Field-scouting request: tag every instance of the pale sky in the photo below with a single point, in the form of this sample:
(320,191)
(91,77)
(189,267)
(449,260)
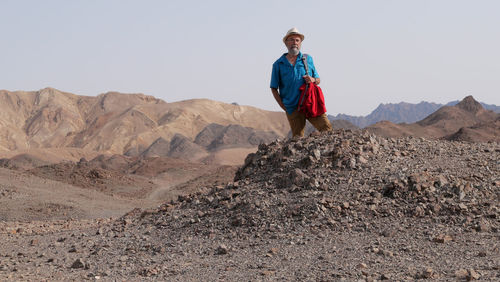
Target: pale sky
(366,52)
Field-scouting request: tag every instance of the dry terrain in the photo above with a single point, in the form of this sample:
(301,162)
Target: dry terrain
(127,187)
(103,187)
(342,205)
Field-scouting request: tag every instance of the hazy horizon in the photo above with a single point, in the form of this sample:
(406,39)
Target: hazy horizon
(366,52)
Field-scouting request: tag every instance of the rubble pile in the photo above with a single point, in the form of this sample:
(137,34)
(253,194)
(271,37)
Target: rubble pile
(346,178)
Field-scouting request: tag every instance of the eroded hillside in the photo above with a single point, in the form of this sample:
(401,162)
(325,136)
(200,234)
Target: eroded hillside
(131,124)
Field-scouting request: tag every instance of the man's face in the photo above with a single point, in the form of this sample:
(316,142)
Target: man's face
(293,44)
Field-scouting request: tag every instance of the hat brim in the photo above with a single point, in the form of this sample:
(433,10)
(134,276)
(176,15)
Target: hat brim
(293,33)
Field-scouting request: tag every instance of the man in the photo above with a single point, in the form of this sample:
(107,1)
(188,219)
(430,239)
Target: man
(287,76)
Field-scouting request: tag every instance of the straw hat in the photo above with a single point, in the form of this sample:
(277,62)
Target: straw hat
(293,31)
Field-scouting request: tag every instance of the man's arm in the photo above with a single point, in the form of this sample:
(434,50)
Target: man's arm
(277,97)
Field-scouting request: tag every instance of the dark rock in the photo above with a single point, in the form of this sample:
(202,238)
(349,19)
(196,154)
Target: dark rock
(221,250)
(79,263)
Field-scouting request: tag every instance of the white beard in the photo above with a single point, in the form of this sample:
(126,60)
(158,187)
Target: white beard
(294,51)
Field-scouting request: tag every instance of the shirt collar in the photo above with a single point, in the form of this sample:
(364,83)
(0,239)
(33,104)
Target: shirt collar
(285,60)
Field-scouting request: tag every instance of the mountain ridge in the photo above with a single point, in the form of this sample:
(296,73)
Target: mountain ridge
(450,123)
(402,112)
(117,123)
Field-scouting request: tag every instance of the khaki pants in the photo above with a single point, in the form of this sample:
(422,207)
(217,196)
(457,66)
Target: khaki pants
(297,122)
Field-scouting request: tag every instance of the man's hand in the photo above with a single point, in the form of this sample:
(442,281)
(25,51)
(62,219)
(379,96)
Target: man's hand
(310,79)
(276,95)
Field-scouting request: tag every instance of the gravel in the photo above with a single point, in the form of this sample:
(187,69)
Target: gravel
(342,205)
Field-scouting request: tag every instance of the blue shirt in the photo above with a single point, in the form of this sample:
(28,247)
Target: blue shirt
(288,79)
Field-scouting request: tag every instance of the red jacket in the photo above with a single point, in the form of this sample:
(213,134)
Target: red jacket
(312,101)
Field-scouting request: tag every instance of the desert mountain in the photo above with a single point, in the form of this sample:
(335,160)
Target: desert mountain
(449,122)
(48,126)
(130,124)
(489,107)
(401,113)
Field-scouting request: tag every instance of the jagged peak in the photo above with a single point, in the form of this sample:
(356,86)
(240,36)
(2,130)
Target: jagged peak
(48,89)
(52,91)
(469,104)
(49,95)
(141,96)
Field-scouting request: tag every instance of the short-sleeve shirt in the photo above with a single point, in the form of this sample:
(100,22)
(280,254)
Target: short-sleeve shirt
(288,79)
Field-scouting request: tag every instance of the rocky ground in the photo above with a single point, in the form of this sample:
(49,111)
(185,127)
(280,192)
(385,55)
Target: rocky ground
(343,205)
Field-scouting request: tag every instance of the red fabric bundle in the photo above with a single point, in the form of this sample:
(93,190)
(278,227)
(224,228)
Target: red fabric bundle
(312,101)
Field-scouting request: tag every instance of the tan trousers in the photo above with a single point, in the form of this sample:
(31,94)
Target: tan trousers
(297,122)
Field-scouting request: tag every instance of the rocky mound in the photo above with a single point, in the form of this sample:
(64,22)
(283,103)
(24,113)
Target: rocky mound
(343,205)
(317,181)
